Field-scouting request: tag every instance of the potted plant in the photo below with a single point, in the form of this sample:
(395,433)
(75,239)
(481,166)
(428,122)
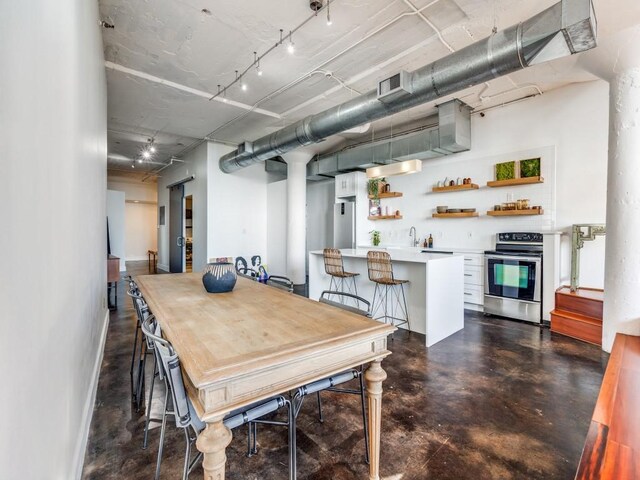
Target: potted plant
(375,237)
(375,186)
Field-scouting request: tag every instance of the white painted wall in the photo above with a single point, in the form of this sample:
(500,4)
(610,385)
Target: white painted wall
(237,216)
(134,189)
(53,239)
(116,217)
(320,200)
(141,219)
(195,163)
(277,228)
(141,230)
(568,127)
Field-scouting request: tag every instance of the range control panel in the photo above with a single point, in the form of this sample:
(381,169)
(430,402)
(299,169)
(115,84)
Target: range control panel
(527,237)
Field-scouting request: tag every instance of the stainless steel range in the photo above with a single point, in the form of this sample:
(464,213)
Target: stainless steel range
(513,277)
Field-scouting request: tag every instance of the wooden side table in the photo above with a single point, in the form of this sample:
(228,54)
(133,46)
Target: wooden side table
(113,276)
(154,254)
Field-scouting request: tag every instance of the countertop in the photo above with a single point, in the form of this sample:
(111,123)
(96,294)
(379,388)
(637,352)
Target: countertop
(398,254)
(437,248)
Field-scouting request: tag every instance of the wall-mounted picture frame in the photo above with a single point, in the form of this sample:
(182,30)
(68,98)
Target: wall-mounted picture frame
(506,170)
(161,215)
(530,167)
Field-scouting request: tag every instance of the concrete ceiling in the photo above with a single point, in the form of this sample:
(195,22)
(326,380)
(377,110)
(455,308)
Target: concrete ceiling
(166,58)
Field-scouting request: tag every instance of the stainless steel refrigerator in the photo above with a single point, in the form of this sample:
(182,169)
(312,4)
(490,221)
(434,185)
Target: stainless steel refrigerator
(344,226)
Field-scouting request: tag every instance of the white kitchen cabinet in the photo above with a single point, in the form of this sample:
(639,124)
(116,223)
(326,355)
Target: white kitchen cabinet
(473,281)
(347,184)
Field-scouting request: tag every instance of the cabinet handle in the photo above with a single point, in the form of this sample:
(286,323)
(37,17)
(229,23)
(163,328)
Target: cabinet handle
(468,293)
(468,259)
(468,275)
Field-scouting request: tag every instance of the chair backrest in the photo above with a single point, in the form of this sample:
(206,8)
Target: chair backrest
(345,296)
(173,373)
(333,261)
(249,273)
(379,265)
(278,281)
(139,304)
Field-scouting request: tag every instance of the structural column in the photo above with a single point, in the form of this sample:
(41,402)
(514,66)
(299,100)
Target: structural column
(622,255)
(297,215)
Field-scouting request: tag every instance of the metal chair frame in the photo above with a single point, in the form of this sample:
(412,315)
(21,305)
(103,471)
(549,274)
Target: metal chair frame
(281,282)
(185,415)
(331,383)
(137,385)
(385,294)
(249,273)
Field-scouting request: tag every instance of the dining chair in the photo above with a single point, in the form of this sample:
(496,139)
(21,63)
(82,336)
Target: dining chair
(388,294)
(332,383)
(187,418)
(137,381)
(334,267)
(281,282)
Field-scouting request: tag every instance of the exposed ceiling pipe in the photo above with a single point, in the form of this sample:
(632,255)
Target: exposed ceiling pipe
(565,28)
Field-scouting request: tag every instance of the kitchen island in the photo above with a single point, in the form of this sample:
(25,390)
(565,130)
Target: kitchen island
(435,292)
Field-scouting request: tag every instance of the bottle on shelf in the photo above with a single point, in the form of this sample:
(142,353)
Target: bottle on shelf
(430,241)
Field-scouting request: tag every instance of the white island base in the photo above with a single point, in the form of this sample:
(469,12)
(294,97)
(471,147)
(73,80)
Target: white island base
(435,292)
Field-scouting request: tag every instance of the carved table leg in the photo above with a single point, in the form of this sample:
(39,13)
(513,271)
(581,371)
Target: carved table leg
(212,442)
(374,376)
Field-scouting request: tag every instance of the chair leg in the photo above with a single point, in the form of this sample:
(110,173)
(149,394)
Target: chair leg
(406,310)
(364,418)
(148,416)
(292,443)
(162,430)
(187,454)
(320,416)
(255,438)
(133,360)
(141,374)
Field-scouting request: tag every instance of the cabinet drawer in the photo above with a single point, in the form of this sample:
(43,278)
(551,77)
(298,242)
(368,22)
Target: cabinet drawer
(475,259)
(473,294)
(473,275)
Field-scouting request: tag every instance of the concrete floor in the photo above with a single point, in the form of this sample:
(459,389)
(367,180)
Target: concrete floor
(498,400)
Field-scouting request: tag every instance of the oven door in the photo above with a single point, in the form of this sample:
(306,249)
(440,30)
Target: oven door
(513,277)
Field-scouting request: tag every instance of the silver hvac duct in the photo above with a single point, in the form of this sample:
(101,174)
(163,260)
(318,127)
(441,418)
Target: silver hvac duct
(565,28)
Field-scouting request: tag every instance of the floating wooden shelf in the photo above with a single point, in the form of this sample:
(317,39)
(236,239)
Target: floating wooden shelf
(387,195)
(455,215)
(514,213)
(468,186)
(385,217)
(515,181)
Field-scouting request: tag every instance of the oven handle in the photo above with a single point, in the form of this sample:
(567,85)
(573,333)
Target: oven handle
(507,257)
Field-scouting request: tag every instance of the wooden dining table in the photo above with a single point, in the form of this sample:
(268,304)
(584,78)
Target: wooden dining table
(257,341)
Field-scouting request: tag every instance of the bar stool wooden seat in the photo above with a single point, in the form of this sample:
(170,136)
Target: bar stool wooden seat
(334,267)
(389,291)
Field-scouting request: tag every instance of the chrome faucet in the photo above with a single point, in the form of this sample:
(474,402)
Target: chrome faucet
(412,234)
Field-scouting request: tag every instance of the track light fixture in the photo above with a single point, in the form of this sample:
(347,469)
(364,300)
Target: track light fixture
(291,48)
(256,60)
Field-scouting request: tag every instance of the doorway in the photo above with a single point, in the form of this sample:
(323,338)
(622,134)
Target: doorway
(176,229)
(188,233)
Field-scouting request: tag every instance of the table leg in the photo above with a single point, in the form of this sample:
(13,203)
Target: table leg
(374,376)
(212,442)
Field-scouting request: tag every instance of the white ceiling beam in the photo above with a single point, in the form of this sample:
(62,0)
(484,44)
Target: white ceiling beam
(192,91)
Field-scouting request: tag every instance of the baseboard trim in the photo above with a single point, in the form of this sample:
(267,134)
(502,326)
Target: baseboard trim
(137,259)
(87,413)
(163,267)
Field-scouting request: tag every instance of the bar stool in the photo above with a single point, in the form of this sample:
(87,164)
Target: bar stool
(334,267)
(388,290)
